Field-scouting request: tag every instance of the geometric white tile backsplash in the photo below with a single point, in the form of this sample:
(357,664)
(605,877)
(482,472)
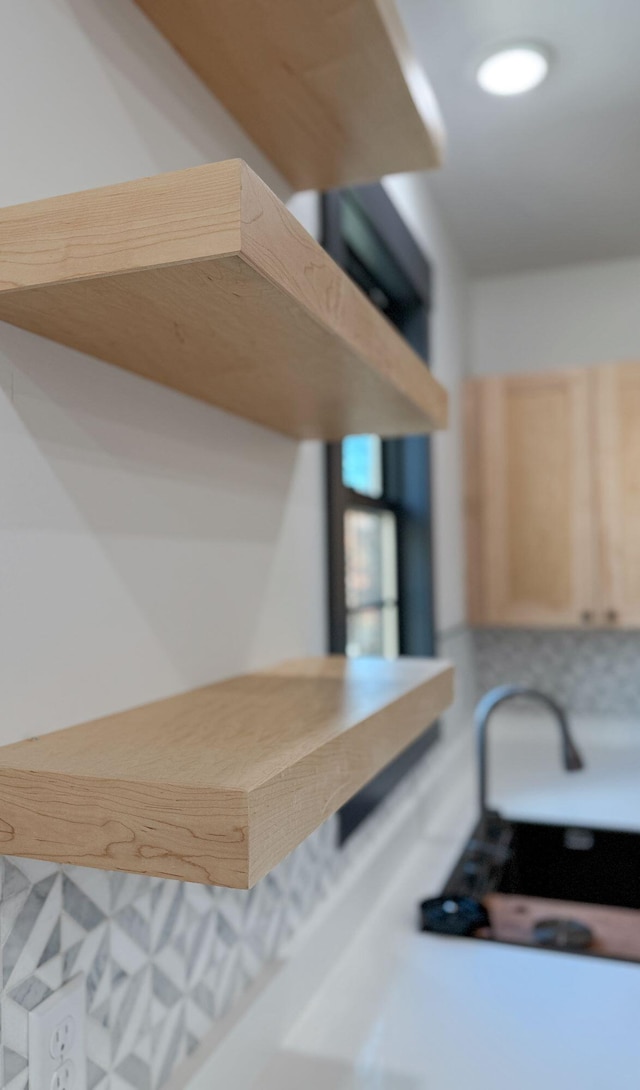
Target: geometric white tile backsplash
(163,960)
(588,672)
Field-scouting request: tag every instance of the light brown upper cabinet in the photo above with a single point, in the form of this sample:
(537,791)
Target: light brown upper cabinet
(617,405)
(553,498)
(529,500)
(329,90)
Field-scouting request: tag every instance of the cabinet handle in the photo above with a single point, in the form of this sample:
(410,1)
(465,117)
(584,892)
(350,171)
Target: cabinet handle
(612,615)
(586,616)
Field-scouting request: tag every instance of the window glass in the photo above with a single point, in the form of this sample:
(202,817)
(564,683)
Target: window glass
(373,632)
(370,553)
(362,464)
(371,578)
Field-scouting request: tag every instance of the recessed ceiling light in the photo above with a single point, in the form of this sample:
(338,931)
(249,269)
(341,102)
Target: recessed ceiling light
(513,70)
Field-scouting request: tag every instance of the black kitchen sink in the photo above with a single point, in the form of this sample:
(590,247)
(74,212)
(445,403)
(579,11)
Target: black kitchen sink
(571,863)
(558,886)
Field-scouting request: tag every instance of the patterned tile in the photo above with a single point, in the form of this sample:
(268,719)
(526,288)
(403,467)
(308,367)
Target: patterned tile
(588,672)
(26,927)
(79,905)
(13,881)
(169,1047)
(13,1064)
(96,1076)
(135,1071)
(131,1012)
(162,959)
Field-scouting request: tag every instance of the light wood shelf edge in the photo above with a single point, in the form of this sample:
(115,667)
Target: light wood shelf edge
(332,93)
(220,784)
(147,274)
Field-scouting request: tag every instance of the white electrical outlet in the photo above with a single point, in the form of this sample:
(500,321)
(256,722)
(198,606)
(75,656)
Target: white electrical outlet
(57,1058)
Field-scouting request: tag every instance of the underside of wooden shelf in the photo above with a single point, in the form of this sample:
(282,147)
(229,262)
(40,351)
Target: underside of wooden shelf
(202,280)
(329,90)
(219,784)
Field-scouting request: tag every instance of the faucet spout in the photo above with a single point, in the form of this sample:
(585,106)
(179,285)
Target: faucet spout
(485,707)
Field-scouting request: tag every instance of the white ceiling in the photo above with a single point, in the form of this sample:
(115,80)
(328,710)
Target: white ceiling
(547,178)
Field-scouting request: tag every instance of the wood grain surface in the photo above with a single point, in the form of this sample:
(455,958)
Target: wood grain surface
(219,784)
(529,500)
(203,281)
(616,931)
(617,454)
(329,90)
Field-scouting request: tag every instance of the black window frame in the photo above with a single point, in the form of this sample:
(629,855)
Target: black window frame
(406,468)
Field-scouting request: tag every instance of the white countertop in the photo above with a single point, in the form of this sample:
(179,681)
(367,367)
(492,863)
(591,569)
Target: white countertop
(408,1011)
(526,777)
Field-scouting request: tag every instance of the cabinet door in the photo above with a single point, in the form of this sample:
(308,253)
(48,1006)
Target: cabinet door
(530,500)
(617,401)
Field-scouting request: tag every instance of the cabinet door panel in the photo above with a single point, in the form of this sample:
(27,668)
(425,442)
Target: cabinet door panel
(530,500)
(617,400)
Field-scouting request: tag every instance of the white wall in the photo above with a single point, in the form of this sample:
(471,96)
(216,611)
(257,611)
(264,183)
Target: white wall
(148,542)
(581,314)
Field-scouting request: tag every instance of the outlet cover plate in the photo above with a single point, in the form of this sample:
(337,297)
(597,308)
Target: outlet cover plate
(57,1051)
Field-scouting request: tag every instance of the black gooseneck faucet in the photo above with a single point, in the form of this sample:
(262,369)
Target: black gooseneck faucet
(485,707)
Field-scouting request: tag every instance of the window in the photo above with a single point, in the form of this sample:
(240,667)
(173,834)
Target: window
(371,582)
(379,493)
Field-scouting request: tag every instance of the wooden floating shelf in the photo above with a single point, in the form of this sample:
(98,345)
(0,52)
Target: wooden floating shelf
(203,281)
(219,784)
(330,90)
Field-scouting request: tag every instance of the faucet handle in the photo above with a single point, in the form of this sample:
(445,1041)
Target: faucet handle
(586,616)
